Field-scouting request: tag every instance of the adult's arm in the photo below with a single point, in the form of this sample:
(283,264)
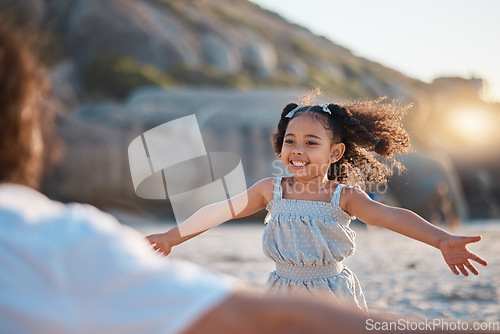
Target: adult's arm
(246,314)
(243,313)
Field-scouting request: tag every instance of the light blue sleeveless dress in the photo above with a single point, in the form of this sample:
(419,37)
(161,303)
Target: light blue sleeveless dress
(308,240)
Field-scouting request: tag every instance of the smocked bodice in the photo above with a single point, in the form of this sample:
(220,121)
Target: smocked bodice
(307,233)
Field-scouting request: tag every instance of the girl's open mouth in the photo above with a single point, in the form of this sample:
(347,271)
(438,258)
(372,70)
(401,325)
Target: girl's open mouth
(296,163)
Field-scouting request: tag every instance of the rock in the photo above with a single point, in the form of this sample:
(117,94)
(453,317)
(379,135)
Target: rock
(129,28)
(373,86)
(225,58)
(334,72)
(297,68)
(430,187)
(260,58)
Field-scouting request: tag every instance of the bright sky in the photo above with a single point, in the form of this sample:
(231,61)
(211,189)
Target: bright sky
(423,39)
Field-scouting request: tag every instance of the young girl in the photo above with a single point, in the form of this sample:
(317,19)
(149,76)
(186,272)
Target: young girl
(307,232)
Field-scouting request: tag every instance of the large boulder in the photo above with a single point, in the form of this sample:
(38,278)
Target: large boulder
(136,29)
(429,186)
(220,54)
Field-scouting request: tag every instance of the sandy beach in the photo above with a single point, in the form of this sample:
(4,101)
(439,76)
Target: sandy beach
(398,275)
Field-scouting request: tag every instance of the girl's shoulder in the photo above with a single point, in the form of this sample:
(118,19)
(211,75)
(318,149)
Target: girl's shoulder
(351,195)
(265,188)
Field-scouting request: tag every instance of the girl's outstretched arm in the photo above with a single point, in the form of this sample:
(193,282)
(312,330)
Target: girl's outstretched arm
(454,248)
(246,203)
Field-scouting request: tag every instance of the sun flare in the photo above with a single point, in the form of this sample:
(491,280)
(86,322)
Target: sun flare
(472,126)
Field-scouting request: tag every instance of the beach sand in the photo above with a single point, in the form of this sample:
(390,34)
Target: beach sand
(398,275)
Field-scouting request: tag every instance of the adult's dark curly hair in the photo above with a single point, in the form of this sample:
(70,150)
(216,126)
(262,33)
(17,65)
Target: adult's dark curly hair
(22,87)
(372,132)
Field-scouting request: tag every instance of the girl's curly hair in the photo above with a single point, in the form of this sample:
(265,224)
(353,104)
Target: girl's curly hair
(371,131)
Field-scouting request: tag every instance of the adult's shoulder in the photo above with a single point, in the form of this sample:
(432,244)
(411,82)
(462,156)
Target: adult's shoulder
(88,217)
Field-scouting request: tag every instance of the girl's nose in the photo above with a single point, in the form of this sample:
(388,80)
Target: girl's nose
(297,151)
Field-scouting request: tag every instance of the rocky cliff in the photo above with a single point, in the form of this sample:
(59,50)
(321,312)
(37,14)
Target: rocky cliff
(107,48)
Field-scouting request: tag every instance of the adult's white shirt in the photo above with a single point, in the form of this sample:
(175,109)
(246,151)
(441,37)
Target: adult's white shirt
(74,269)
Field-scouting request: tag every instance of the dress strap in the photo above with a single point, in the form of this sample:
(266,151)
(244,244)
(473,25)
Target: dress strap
(278,192)
(336,194)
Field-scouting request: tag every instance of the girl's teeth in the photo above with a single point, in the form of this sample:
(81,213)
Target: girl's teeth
(298,163)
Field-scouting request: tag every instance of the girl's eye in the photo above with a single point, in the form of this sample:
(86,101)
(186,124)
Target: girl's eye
(288,141)
(311,143)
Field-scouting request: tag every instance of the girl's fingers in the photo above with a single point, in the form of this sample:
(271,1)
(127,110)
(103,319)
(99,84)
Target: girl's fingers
(473,239)
(454,269)
(479,260)
(157,248)
(150,239)
(159,251)
(463,270)
(471,267)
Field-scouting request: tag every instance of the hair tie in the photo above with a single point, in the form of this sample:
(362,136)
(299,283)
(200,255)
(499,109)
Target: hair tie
(325,108)
(291,113)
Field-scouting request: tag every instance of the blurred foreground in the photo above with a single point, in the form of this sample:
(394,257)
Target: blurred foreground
(398,275)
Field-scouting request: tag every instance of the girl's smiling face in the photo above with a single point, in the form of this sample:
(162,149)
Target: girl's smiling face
(308,148)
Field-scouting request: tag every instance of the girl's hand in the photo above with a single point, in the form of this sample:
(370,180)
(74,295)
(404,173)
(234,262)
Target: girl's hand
(456,254)
(160,243)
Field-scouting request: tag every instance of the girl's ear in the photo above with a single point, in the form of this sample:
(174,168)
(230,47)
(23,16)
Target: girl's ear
(337,152)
